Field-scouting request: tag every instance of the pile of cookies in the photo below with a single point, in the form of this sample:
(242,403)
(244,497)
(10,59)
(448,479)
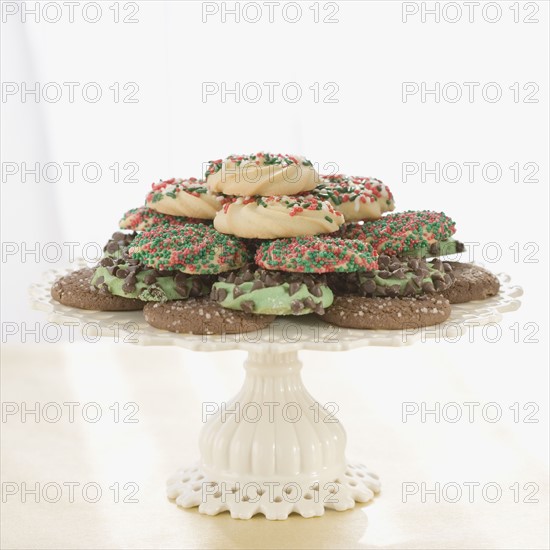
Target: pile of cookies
(265,235)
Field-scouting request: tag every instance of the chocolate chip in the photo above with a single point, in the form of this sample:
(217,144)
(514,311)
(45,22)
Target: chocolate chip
(185,292)
(271,280)
(384,274)
(231,277)
(121,273)
(180,279)
(296,306)
(413,264)
(369,287)
(395,266)
(448,279)
(111,247)
(247,276)
(437,276)
(214,294)
(319,309)
(434,248)
(239,280)
(316,290)
(99,280)
(447,267)
(459,246)
(399,274)
(370,274)
(257,285)
(222,294)
(309,302)
(409,289)
(247,306)
(106,262)
(150,279)
(293,288)
(439,285)
(437,264)
(119,236)
(428,287)
(128,287)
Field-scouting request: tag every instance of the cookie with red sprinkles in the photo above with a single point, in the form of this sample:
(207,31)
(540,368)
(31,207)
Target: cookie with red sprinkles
(196,249)
(357,198)
(403,233)
(143,218)
(316,255)
(184,197)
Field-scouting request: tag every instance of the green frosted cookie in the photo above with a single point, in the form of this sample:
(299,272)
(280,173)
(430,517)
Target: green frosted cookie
(266,292)
(394,278)
(121,275)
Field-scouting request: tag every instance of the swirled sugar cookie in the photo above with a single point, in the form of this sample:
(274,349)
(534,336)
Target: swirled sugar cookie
(277,216)
(143,218)
(412,233)
(262,174)
(356,198)
(183,197)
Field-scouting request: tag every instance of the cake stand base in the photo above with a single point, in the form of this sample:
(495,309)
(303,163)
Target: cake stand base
(272,450)
(191,487)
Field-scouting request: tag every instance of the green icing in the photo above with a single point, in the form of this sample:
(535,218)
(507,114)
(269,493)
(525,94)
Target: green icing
(162,290)
(274,300)
(447,247)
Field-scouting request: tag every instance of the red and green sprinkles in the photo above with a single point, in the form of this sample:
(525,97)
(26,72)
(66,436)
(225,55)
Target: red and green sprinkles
(296,204)
(401,232)
(316,255)
(195,249)
(265,159)
(341,189)
(143,218)
(171,188)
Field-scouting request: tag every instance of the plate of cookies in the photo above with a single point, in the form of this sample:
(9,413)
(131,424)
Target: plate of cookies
(263,249)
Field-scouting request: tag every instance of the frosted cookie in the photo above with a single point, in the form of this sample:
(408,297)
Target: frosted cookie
(76,290)
(416,233)
(121,275)
(471,283)
(143,218)
(356,198)
(277,216)
(195,249)
(387,313)
(394,277)
(316,255)
(262,174)
(256,290)
(183,197)
(202,316)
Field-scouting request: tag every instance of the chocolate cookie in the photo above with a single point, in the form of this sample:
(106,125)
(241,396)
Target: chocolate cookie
(202,316)
(471,283)
(387,313)
(76,290)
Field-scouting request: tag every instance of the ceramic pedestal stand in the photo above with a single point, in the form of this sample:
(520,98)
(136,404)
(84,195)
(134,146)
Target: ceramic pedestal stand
(273,449)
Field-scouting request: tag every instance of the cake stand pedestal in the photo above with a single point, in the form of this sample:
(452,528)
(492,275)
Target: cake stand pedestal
(273,449)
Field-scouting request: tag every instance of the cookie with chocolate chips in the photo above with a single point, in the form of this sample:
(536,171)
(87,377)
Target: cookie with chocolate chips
(76,290)
(120,274)
(394,277)
(202,316)
(471,283)
(388,313)
(266,292)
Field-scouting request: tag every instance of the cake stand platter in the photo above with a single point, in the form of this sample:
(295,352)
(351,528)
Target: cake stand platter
(272,450)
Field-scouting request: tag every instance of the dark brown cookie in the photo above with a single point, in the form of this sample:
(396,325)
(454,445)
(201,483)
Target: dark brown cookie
(202,316)
(471,283)
(76,290)
(387,313)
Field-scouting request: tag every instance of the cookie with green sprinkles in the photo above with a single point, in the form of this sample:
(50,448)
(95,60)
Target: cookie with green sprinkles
(265,292)
(394,277)
(143,218)
(357,198)
(412,233)
(316,255)
(195,249)
(120,275)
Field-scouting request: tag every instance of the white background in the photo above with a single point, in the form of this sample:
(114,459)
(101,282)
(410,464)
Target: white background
(368,53)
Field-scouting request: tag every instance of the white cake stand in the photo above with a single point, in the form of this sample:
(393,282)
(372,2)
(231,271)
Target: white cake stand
(273,450)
